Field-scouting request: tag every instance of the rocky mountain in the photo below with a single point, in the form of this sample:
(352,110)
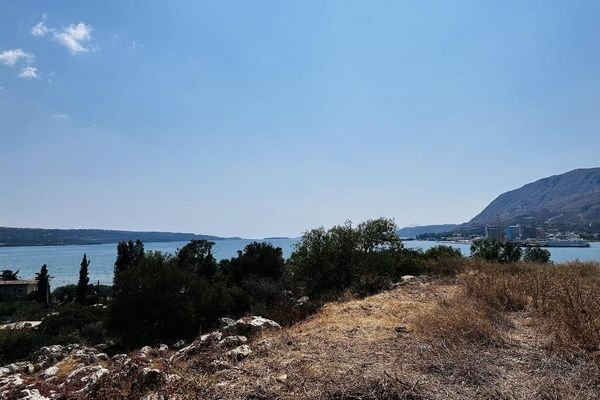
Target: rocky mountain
(569,200)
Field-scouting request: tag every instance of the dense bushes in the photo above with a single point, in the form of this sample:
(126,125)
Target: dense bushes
(365,259)
(163,297)
(495,251)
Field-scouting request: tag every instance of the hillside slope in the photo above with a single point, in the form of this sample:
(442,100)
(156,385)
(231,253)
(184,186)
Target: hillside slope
(356,349)
(568,200)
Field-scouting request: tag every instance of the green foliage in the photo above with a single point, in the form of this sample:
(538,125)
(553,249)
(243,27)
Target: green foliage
(260,260)
(129,255)
(84,280)
(196,257)
(9,275)
(502,252)
(43,285)
(68,323)
(19,310)
(155,300)
(442,252)
(366,258)
(19,344)
(536,255)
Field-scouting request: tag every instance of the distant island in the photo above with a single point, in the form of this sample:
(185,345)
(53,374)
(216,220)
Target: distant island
(55,237)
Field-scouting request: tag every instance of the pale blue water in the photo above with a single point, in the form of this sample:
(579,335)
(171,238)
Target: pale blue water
(63,261)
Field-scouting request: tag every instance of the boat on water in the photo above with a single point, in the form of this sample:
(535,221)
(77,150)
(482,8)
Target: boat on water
(566,243)
(557,242)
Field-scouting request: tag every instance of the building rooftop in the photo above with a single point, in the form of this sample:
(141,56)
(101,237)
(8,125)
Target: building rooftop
(19,282)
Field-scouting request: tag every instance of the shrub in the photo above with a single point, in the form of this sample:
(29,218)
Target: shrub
(536,255)
(19,344)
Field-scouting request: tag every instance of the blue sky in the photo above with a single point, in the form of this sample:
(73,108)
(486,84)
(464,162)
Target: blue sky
(269,118)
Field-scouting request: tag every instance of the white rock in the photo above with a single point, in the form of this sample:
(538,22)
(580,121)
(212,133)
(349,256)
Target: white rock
(31,394)
(163,348)
(50,372)
(145,351)
(239,353)
(251,325)
(233,341)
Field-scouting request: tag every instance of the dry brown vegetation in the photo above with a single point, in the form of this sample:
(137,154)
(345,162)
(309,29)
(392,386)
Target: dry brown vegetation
(495,332)
(518,331)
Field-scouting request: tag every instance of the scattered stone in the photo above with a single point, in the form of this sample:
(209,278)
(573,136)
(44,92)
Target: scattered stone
(197,345)
(179,344)
(281,378)
(31,394)
(145,351)
(233,341)
(225,322)
(50,372)
(163,348)
(10,382)
(102,357)
(220,364)
(48,355)
(249,326)
(149,377)
(86,355)
(4,371)
(239,353)
(302,301)
(120,359)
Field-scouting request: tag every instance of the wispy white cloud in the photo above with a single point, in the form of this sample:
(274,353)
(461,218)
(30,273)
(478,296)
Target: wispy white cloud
(28,73)
(40,29)
(12,57)
(1,87)
(60,116)
(75,37)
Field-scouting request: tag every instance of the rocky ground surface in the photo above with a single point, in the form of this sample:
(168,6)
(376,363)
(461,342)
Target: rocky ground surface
(351,349)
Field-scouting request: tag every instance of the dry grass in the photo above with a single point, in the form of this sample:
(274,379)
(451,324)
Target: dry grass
(463,320)
(422,341)
(498,332)
(564,298)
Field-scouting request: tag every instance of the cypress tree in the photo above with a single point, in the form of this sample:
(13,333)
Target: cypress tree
(43,285)
(84,280)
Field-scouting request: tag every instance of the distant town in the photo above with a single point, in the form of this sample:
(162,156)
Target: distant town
(526,236)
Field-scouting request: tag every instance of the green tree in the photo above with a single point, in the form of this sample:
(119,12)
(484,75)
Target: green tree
(43,285)
(155,301)
(84,280)
(197,257)
(129,255)
(536,255)
(442,253)
(495,251)
(257,260)
(365,258)
(9,275)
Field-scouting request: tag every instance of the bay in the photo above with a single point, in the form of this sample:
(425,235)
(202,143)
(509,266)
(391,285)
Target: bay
(63,261)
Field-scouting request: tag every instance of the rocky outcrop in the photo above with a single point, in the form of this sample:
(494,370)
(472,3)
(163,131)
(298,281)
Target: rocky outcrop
(77,371)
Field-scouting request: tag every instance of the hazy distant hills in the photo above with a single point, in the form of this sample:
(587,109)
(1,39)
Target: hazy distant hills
(413,231)
(41,237)
(567,201)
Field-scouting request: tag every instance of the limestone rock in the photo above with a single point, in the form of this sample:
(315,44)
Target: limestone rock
(249,326)
(232,341)
(239,353)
